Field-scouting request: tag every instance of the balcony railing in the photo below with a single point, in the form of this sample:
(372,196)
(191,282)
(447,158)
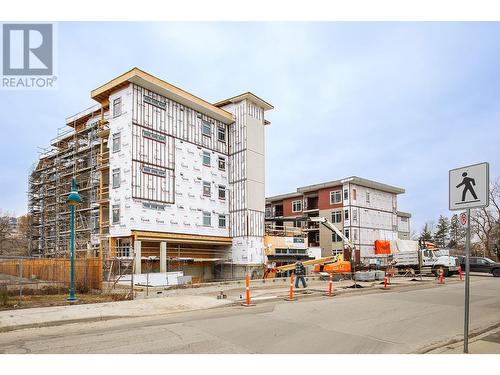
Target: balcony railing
(103,128)
(281,231)
(103,160)
(311,226)
(103,194)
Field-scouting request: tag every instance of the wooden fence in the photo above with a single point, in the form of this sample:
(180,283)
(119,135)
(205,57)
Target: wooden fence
(88,271)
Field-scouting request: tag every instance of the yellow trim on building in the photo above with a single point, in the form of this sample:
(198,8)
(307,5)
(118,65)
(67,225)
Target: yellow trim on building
(181,238)
(249,96)
(161,87)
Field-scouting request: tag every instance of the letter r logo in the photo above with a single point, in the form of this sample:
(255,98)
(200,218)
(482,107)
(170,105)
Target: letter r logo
(27,49)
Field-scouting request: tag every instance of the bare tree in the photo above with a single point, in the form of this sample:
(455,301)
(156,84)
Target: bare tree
(414,235)
(22,235)
(486,222)
(13,234)
(6,231)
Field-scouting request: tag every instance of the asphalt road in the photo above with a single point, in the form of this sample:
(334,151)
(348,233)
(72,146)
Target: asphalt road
(403,321)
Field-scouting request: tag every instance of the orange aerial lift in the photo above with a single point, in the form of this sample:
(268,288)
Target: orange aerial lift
(333,264)
(270,272)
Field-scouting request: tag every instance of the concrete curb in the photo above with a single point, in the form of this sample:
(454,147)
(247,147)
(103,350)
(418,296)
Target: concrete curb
(54,323)
(443,344)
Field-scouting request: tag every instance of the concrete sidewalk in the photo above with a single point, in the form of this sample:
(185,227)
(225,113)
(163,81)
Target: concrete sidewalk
(485,343)
(189,299)
(50,316)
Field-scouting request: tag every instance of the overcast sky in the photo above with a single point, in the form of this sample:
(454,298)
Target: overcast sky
(400,103)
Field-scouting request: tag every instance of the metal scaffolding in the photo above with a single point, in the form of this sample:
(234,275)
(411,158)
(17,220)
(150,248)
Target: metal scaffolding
(74,152)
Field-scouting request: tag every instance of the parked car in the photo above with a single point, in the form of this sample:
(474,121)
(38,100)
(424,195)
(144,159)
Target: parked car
(481,264)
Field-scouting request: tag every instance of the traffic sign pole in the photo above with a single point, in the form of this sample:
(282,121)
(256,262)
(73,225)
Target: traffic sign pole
(467,281)
(468,188)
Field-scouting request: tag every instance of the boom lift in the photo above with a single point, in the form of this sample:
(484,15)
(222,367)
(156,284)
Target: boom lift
(339,266)
(332,264)
(333,228)
(289,267)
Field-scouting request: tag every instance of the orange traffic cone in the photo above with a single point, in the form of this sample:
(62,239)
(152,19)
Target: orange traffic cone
(330,286)
(247,289)
(290,297)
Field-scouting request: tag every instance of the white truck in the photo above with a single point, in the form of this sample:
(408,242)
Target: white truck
(426,260)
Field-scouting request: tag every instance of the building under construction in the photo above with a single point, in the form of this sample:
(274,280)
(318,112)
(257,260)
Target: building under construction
(163,175)
(80,151)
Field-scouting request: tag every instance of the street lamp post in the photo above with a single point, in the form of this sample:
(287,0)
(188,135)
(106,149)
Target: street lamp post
(73,200)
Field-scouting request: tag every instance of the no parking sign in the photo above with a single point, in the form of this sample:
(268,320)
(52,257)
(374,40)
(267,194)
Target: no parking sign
(463,219)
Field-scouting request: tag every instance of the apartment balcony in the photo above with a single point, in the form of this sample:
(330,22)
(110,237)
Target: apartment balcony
(103,195)
(311,205)
(282,231)
(103,160)
(311,227)
(103,128)
(277,212)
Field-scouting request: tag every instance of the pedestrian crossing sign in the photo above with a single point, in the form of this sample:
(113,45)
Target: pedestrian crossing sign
(469,187)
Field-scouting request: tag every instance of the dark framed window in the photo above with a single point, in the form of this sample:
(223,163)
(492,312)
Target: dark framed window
(336,216)
(207,219)
(206,158)
(222,221)
(221,134)
(335,196)
(117,107)
(116,178)
(222,163)
(116,213)
(296,206)
(206,128)
(117,142)
(222,192)
(336,238)
(207,189)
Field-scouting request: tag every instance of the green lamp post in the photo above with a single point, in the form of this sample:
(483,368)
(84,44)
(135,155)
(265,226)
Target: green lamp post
(73,200)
